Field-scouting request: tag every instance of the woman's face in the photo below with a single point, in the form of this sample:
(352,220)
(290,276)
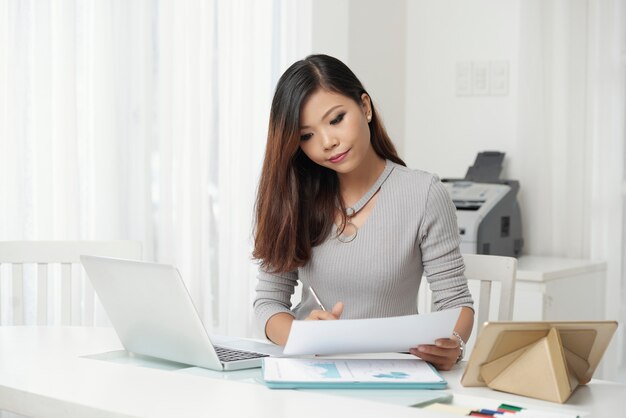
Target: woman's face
(334,131)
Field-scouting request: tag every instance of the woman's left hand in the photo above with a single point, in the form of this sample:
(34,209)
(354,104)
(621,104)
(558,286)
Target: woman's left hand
(443,354)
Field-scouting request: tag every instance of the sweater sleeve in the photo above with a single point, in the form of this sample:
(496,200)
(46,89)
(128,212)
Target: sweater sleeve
(441,255)
(273,295)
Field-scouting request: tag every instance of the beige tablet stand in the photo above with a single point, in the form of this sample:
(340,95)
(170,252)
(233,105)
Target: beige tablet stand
(544,361)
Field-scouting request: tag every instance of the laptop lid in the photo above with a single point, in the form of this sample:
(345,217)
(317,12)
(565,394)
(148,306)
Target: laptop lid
(152,311)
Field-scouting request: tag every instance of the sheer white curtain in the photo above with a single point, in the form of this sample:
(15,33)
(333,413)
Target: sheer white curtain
(145,120)
(607,133)
(573,94)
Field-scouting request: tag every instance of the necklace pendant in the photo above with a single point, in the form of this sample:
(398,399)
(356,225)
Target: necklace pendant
(350,231)
(345,238)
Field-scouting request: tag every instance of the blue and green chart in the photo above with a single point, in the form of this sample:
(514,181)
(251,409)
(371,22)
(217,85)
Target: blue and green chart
(350,373)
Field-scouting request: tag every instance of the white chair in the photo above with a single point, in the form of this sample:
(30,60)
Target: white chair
(77,305)
(487,269)
(481,271)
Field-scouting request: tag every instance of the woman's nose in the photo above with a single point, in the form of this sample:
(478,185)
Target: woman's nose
(329,141)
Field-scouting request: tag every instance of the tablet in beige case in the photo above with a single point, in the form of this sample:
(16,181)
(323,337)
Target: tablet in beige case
(544,360)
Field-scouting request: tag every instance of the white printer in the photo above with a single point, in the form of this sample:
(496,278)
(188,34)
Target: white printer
(487,210)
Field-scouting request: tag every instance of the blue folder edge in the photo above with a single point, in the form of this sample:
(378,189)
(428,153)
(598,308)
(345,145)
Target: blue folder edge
(272,384)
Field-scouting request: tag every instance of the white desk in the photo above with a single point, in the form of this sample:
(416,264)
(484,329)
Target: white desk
(42,374)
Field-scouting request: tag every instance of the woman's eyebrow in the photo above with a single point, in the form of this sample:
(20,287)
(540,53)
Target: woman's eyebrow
(325,114)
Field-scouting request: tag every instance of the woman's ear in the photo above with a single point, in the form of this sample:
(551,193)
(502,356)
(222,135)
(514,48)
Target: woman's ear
(366,104)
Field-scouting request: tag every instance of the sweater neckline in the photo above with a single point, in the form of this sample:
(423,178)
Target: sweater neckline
(360,204)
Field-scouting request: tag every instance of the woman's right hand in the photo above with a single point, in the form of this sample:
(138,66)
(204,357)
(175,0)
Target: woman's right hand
(319,315)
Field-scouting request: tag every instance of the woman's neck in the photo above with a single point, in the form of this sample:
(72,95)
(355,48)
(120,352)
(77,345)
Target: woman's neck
(355,184)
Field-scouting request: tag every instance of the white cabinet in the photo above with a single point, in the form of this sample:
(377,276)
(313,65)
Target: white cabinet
(559,289)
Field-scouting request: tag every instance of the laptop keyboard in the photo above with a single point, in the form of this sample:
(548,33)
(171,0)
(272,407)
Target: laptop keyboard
(229,354)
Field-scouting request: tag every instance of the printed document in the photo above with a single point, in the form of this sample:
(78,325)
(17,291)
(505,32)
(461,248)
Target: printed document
(377,335)
(349,370)
(320,373)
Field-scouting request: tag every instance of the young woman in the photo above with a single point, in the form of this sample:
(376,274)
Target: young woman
(338,211)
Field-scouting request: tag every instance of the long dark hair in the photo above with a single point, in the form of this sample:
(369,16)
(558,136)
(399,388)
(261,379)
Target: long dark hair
(297,199)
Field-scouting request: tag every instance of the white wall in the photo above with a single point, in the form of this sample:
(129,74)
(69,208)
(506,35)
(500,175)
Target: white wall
(331,21)
(377,39)
(446,131)
(370,37)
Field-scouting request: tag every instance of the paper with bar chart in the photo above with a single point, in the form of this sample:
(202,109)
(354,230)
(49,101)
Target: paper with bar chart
(320,372)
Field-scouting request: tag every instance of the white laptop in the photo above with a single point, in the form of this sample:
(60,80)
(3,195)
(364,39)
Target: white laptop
(153,315)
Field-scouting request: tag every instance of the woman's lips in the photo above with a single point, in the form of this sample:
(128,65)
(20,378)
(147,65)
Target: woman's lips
(338,158)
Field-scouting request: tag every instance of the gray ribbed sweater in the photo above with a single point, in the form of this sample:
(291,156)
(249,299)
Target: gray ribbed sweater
(411,230)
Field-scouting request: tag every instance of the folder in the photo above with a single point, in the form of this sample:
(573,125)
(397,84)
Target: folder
(543,360)
(321,373)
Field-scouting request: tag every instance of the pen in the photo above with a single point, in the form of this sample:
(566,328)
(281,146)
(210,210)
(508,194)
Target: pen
(319,302)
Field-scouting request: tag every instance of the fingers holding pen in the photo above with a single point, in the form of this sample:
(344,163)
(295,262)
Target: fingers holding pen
(337,310)
(334,313)
(318,315)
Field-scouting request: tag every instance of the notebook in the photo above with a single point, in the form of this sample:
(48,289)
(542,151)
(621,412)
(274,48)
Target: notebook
(153,315)
(321,373)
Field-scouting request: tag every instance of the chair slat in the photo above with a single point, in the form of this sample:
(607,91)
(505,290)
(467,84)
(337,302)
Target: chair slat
(507,293)
(89,298)
(17,294)
(65,251)
(1,304)
(77,292)
(66,294)
(42,294)
(484,300)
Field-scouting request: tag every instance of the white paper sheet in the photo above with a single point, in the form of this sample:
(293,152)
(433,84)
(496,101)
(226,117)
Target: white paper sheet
(377,335)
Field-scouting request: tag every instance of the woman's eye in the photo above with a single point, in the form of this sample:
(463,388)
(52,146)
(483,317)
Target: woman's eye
(338,119)
(305,137)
